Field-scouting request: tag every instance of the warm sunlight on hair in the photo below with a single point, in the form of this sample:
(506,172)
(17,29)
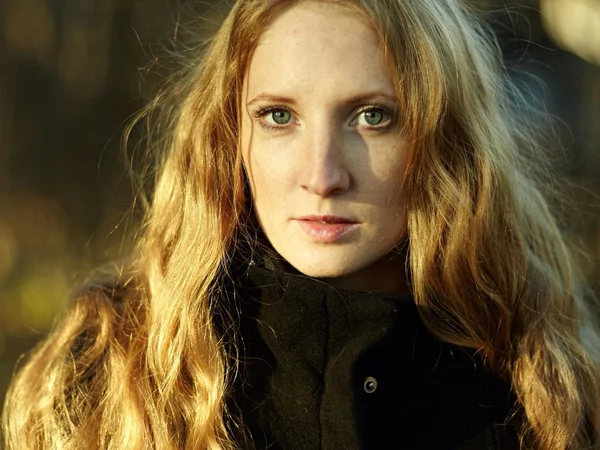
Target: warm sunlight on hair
(351,243)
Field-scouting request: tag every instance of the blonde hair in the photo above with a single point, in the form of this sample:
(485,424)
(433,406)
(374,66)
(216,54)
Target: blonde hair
(140,364)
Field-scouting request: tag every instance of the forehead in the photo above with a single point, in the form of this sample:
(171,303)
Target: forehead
(317,46)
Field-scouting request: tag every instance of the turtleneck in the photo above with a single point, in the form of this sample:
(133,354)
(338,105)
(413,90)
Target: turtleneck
(327,368)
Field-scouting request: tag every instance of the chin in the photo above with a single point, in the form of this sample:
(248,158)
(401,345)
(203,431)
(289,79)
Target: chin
(320,273)
(331,266)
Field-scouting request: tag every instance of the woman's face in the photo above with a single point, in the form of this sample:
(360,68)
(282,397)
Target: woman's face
(322,147)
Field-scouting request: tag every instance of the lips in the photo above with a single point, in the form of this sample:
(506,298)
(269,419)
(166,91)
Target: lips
(326,229)
(326,219)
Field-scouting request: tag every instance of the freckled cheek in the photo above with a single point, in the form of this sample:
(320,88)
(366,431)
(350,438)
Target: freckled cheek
(269,173)
(388,173)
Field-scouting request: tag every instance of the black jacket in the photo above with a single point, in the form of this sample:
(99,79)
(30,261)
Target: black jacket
(325,368)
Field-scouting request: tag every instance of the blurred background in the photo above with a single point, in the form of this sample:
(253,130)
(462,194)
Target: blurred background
(73,71)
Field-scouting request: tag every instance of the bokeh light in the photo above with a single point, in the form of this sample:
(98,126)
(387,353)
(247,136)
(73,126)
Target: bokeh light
(574,25)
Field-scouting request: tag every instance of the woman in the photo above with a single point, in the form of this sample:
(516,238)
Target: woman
(347,247)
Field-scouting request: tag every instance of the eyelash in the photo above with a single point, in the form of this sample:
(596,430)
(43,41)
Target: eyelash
(377,107)
(262,112)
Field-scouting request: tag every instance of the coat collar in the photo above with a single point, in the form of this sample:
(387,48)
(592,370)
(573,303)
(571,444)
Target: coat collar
(309,349)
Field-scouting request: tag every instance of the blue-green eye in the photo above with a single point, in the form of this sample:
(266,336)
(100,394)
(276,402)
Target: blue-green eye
(278,117)
(372,117)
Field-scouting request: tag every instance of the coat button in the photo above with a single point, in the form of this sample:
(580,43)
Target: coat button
(370,385)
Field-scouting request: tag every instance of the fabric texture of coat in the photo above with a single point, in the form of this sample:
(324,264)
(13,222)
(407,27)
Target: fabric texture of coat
(334,369)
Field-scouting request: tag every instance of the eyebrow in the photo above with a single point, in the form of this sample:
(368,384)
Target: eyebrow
(357,99)
(265,96)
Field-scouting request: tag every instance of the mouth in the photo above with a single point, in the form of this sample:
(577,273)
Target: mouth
(327,219)
(326,229)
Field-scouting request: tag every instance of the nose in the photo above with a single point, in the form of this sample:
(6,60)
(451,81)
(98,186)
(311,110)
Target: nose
(323,169)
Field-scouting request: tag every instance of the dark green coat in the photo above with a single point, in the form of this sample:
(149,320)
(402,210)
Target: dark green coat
(325,368)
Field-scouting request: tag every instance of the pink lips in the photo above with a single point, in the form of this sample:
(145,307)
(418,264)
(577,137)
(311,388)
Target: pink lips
(326,229)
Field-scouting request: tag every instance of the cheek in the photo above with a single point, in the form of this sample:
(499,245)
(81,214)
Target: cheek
(387,174)
(253,163)
(268,171)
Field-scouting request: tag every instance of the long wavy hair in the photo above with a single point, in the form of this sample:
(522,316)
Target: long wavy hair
(141,364)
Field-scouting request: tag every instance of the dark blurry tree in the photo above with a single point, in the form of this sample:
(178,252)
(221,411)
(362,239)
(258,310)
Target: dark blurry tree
(70,78)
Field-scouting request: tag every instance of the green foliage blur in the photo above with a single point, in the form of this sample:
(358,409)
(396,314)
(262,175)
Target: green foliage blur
(71,75)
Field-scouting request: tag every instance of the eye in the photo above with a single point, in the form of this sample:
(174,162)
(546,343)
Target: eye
(278,116)
(373,116)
